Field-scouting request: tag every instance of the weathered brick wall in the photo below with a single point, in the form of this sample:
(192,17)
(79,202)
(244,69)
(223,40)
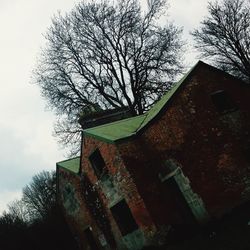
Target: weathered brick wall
(118,185)
(144,165)
(74,208)
(211,148)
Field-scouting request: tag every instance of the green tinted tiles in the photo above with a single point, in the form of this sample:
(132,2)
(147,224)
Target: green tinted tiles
(72,165)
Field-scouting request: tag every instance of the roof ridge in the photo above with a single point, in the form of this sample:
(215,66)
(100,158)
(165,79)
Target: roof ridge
(72,165)
(125,128)
(115,122)
(69,159)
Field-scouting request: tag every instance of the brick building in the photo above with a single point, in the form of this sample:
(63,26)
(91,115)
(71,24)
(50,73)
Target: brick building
(183,162)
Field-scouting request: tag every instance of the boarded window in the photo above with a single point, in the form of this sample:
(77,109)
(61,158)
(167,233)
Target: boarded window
(222,101)
(97,163)
(124,218)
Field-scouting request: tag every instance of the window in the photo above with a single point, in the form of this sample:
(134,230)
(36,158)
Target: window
(222,101)
(124,217)
(90,239)
(97,163)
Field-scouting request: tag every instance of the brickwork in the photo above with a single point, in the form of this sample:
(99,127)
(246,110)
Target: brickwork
(122,186)
(211,148)
(74,207)
(209,157)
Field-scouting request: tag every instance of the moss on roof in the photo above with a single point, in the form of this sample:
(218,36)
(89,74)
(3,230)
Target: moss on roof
(116,130)
(122,129)
(72,165)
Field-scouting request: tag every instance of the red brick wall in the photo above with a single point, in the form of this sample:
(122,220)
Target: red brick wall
(211,148)
(125,185)
(80,218)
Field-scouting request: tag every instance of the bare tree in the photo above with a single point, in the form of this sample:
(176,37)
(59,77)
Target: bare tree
(224,36)
(10,220)
(18,209)
(110,55)
(39,197)
(68,134)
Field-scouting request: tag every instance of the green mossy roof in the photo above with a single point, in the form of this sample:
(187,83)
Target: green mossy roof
(122,129)
(72,165)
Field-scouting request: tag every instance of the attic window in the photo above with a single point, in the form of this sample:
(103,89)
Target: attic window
(222,101)
(124,218)
(97,163)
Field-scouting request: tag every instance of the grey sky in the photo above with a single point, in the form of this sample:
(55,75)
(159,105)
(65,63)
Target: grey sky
(26,145)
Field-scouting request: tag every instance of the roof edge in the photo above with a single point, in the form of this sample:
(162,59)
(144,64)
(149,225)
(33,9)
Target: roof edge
(68,159)
(67,169)
(143,126)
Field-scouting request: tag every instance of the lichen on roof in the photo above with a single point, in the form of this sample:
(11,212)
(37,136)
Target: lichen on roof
(115,131)
(72,165)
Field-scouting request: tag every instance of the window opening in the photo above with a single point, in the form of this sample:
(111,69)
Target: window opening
(222,101)
(124,218)
(90,239)
(97,163)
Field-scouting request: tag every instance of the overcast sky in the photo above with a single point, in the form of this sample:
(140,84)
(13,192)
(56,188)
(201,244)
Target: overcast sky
(26,143)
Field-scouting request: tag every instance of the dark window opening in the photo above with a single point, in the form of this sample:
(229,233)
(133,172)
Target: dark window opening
(247,151)
(97,163)
(182,212)
(124,218)
(223,102)
(90,239)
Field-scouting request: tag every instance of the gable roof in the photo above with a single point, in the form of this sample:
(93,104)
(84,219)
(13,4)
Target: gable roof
(115,131)
(72,165)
